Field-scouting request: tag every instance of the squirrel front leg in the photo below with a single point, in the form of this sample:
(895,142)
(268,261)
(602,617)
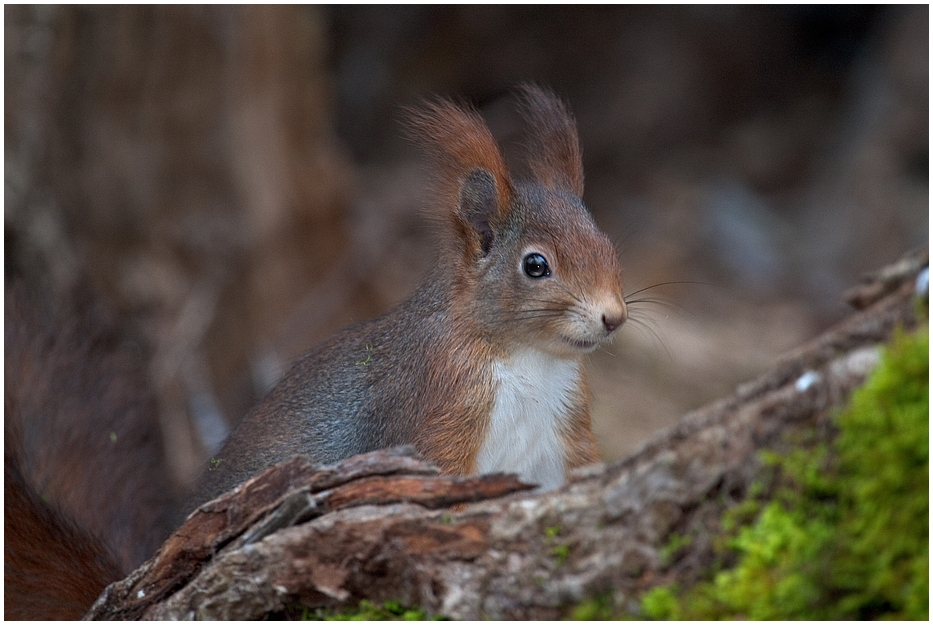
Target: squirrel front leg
(579,440)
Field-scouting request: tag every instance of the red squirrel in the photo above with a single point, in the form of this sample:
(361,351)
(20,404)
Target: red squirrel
(85,479)
(482,368)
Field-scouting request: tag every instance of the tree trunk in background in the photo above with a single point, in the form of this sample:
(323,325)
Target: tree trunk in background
(181,160)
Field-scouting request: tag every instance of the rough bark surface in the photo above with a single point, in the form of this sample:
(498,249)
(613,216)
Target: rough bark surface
(386,526)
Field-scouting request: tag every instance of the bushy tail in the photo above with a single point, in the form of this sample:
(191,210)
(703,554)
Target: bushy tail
(87,491)
(53,570)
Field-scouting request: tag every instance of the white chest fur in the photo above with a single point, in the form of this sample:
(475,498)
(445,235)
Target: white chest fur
(533,396)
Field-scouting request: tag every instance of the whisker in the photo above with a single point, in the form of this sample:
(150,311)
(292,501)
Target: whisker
(660,302)
(547,301)
(622,238)
(541,312)
(512,318)
(603,349)
(654,286)
(534,315)
(570,293)
(548,305)
(643,323)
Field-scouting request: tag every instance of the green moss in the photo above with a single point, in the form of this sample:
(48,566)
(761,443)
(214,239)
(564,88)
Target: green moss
(846,536)
(553,531)
(675,543)
(560,553)
(660,603)
(369,611)
(597,609)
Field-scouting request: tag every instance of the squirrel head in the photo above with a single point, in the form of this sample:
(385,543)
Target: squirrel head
(526,264)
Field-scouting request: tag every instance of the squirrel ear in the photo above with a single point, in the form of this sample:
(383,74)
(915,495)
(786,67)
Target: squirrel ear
(478,204)
(472,180)
(553,150)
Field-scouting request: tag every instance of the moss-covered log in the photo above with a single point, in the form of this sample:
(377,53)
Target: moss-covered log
(288,542)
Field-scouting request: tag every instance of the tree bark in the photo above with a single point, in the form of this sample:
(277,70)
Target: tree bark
(385,526)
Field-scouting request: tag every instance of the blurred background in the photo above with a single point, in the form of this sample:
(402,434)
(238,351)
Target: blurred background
(234,185)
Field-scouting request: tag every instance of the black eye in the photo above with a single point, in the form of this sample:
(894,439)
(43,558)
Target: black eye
(535,266)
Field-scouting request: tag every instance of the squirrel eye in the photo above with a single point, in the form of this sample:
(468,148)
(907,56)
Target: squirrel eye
(535,266)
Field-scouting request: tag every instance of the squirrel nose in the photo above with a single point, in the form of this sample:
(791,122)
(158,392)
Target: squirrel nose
(611,322)
(612,319)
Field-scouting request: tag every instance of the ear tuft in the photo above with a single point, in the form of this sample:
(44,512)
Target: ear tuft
(554,149)
(473,183)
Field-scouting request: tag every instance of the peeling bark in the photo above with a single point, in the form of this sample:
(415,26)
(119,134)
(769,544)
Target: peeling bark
(386,526)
